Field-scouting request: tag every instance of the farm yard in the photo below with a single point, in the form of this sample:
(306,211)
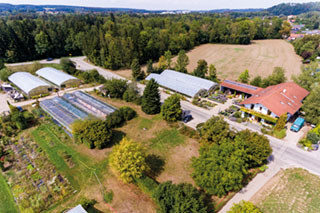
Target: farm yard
(291,190)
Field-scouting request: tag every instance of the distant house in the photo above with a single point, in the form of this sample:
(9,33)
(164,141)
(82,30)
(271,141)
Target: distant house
(296,28)
(268,104)
(293,36)
(77,209)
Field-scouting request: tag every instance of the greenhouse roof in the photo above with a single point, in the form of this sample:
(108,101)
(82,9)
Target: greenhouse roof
(27,82)
(55,76)
(64,117)
(181,82)
(70,108)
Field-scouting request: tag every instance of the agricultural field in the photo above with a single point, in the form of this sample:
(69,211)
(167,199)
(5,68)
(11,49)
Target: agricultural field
(291,190)
(259,58)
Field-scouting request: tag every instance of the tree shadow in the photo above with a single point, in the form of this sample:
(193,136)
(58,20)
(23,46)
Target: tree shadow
(208,201)
(93,210)
(117,136)
(156,165)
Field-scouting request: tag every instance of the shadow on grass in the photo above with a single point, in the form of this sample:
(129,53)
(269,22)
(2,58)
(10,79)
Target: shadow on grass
(156,165)
(117,136)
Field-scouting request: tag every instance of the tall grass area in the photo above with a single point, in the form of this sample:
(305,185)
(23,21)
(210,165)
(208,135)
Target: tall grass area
(32,68)
(7,203)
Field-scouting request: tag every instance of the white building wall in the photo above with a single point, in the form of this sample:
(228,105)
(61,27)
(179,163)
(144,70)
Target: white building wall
(260,108)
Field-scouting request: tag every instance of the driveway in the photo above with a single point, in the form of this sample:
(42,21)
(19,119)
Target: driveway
(3,102)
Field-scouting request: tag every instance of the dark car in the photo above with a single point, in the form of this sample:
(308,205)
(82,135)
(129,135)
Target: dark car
(49,59)
(187,118)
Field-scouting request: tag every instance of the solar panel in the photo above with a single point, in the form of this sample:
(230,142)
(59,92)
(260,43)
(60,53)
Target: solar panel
(241,85)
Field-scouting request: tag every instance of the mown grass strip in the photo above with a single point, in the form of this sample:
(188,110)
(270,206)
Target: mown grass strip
(7,203)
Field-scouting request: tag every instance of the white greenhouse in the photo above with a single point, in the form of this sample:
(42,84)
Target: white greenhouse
(186,84)
(58,77)
(29,84)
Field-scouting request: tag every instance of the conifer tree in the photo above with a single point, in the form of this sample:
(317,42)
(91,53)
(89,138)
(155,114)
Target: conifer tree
(151,98)
(137,73)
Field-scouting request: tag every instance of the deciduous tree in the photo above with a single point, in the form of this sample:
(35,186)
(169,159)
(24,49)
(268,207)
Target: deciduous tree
(182,62)
(244,77)
(311,106)
(202,69)
(183,197)
(128,159)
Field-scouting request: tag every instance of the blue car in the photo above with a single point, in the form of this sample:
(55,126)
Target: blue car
(297,125)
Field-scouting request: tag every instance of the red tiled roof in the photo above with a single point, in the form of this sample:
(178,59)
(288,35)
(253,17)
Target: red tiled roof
(280,99)
(245,88)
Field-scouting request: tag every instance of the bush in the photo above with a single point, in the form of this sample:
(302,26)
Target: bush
(280,134)
(147,185)
(189,132)
(108,196)
(118,117)
(115,88)
(127,113)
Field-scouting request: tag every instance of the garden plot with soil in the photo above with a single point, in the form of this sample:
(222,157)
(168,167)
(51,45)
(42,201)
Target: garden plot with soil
(35,182)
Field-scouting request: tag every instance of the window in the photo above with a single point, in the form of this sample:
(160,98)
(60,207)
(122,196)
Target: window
(260,108)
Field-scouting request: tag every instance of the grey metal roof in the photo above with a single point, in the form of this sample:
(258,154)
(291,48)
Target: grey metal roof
(55,76)
(181,82)
(27,82)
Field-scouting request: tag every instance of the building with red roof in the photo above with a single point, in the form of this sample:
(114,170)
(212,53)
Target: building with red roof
(274,101)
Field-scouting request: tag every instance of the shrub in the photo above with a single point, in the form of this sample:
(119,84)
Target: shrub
(280,134)
(127,113)
(115,88)
(147,184)
(108,196)
(313,137)
(171,109)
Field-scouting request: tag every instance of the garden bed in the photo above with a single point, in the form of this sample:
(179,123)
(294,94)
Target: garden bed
(35,182)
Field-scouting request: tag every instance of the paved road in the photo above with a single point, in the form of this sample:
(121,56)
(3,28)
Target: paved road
(285,154)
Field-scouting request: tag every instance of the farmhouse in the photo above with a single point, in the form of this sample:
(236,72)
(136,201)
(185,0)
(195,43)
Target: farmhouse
(58,77)
(29,84)
(182,83)
(268,104)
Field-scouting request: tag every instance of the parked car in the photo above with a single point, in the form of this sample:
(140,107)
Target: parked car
(49,59)
(187,118)
(297,125)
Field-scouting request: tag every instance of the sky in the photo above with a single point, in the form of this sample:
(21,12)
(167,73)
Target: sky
(162,4)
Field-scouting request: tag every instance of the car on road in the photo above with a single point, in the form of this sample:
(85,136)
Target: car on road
(297,125)
(187,118)
(49,59)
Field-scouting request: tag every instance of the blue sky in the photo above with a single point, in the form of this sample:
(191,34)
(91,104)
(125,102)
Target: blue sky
(162,4)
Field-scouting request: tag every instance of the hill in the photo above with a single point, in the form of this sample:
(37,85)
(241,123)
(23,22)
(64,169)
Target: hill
(293,8)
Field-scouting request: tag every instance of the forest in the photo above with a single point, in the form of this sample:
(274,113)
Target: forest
(113,41)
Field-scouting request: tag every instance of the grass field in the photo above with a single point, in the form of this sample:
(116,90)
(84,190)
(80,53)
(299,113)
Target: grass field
(291,190)
(7,203)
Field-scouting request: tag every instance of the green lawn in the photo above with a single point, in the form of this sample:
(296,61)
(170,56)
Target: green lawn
(293,190)
(83,170)
(167,138)
(7,203)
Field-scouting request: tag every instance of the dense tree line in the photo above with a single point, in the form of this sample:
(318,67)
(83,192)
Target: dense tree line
(308,46)
(114,41)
